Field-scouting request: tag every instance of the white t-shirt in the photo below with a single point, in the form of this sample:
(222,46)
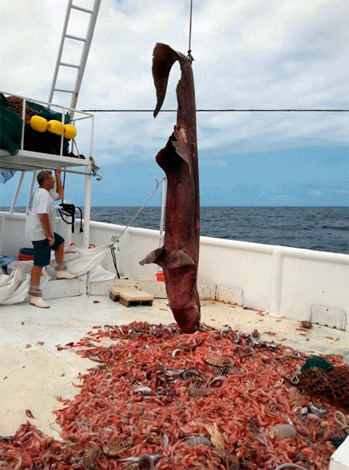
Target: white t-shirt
(43,203)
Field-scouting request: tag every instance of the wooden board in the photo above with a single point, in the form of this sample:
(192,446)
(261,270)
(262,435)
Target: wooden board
(114,294)
(129,303)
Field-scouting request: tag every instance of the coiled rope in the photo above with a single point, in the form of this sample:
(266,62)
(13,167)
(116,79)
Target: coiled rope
(340,419)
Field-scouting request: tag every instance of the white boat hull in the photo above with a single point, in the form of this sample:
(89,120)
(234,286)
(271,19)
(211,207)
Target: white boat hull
(295,283)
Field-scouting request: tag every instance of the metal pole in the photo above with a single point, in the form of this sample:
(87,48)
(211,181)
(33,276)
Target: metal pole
(24,104)
(88,179)
(31,191)
(47,167)
(163,191)
(75,172)
(62,136)
(87,209)
(92,133)
(15,197)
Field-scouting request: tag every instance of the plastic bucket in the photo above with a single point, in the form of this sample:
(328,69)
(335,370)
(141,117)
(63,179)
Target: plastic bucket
(26,254)
(160,276)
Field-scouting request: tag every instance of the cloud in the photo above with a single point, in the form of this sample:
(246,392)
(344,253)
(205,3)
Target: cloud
(262,54)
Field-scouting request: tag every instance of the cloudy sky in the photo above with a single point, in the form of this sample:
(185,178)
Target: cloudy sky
(261,54)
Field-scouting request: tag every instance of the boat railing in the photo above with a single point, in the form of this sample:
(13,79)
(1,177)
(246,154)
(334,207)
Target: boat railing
(32,161)
(77,116)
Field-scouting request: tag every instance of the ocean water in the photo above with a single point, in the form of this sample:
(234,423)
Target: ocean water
(314,228)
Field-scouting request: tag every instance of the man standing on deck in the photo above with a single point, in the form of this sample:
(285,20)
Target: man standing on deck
(40,226)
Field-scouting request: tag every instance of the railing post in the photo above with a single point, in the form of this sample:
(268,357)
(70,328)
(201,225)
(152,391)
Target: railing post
(62,136)
(276,283)
(87,208)
(24,106)
(162,215)
(31,191)
(15,197)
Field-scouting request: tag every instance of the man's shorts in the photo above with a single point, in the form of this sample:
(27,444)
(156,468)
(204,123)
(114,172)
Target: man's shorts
(42,250)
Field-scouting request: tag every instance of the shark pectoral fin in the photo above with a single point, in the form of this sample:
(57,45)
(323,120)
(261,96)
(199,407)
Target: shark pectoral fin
(153,257)
(180,258)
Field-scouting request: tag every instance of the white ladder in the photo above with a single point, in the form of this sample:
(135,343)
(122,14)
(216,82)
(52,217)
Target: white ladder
(84,54)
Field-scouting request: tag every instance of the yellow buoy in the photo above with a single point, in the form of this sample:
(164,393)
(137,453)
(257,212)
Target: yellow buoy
(56,127)
(69,131)
(38,123)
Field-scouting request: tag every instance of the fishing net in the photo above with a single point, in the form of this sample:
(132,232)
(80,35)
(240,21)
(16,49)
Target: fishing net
(316,362)
(10,127)
(338,441)
(333,383)
(16,104)
(11,124)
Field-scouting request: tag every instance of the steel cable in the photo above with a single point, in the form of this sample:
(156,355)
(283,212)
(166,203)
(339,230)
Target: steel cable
(190,57)
(226,110)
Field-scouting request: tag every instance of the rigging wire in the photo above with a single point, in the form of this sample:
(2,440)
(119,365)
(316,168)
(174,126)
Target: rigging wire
(226,110)
(190,57)
(115,239)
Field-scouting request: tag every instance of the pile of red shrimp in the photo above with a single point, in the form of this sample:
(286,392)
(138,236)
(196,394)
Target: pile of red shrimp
(156,398)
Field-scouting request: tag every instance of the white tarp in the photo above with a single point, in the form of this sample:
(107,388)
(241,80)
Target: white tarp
(83,262)
(14,287)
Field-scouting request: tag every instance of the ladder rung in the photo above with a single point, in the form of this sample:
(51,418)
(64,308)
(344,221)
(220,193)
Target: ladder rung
(81,9)
(69,65)
(77,38)
(63,91)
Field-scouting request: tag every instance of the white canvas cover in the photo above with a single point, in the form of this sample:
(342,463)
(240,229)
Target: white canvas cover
(83,262)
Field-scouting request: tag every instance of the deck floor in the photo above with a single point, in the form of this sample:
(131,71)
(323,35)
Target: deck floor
(34,373)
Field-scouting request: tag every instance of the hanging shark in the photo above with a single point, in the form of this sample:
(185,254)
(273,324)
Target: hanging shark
(179,256)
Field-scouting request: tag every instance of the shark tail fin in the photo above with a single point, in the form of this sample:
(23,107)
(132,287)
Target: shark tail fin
(163,59)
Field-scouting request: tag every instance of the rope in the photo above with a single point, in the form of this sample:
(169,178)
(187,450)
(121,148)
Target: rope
(65,209)
(340,419)
(116,239)
(113,255)
(190,57)
(227,110)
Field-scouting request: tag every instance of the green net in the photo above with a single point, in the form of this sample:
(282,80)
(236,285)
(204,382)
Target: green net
(11,123)
(10,130)
(338,441)
(332,384)
(316,362)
